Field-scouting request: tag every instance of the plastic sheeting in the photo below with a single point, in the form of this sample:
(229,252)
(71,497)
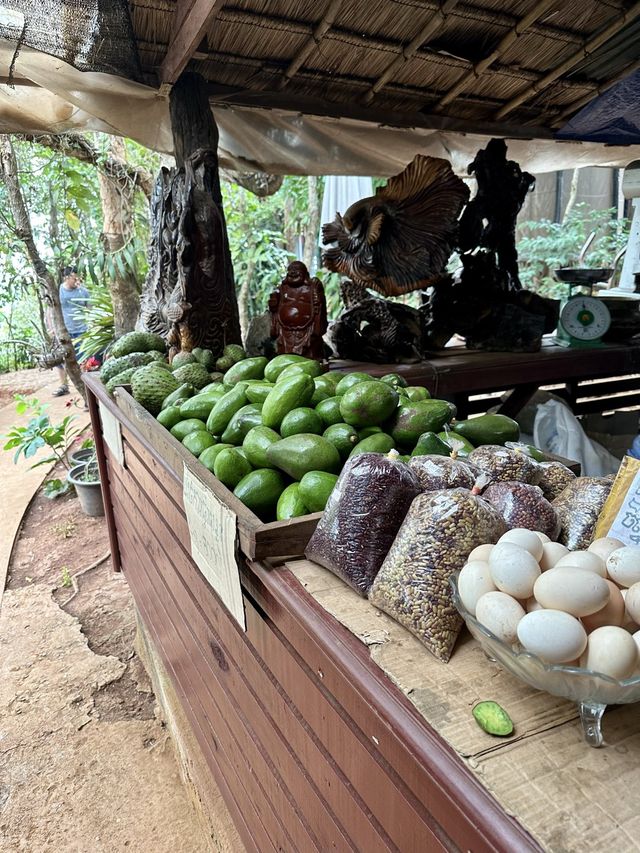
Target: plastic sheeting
(613,118)
(252,139)
(340,192)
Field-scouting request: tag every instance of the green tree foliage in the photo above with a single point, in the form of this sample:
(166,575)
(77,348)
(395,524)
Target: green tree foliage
(545,246)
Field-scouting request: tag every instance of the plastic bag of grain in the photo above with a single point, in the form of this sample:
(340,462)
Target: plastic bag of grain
(363,514)
(441,472)
(555,477)
(505,463)
(438,534)
(578,506)
(523,505)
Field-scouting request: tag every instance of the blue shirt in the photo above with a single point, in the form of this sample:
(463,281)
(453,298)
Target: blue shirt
(72,301)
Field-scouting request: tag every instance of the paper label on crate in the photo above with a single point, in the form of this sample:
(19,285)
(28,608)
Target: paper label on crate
(214,531)
(626,524)
(111,433)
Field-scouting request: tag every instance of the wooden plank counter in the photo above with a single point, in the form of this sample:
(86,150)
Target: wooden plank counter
(457,373)
(312,745)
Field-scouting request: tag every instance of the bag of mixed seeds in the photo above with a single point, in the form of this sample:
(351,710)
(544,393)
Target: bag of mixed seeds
(555,476)
(503,463)
(438,534)
(441,472)
(364,512)
(578,506)
(523,505)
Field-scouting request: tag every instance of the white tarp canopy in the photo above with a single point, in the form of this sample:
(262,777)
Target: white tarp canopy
(274,141)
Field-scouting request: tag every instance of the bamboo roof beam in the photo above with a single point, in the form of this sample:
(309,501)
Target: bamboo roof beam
(191,21)
(569,63)
(319,31)
(503,45)
(432,26)
(562,117)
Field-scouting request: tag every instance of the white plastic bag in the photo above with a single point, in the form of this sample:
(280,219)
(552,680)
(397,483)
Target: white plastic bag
(557,430)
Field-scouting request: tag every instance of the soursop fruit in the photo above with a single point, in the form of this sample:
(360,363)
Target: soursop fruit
(154,343)
(206,358)
(113,366)
(150,385)
(224,363)
(194,374)
(128,343)
(121,379)
(234,352)
(182,358)
(156,355)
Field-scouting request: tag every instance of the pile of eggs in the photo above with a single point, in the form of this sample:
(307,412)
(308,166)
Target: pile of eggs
(576,608)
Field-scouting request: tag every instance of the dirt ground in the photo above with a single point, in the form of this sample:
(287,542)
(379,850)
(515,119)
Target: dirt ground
(86,764)
(23,382)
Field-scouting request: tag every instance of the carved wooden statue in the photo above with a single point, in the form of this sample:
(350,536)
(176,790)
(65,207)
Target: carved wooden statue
(299,313)
(400,239)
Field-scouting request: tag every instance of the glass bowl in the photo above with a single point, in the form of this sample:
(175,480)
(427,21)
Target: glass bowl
(592,691)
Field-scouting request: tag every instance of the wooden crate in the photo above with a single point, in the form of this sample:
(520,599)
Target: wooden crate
(311,745)
(163,454)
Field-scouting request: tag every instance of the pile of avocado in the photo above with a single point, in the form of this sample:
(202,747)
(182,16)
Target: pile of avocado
(277,433)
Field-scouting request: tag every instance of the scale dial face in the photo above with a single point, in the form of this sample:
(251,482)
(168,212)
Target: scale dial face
(585,318)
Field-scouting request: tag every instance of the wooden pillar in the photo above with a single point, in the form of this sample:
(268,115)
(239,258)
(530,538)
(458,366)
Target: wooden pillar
(194,128)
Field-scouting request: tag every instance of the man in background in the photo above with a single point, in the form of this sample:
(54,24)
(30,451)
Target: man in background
(73,298)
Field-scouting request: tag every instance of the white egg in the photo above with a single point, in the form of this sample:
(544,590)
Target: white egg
(611,614)
(623,566)
(523,538)
(575,591)
(500,614)
(501,551)
(636,640)
(605,546)
(542,536)
(555,636)
(515,572)
(612,651)
(531,605)
(473,581)
(480,553)
(632,602)
(584,560)
(551,553)
(627,622)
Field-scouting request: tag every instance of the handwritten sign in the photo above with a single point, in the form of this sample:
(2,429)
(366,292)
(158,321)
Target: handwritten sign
(213,529)
(626,524)
(111,433)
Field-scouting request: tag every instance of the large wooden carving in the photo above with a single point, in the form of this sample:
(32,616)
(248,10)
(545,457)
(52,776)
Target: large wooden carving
(189,293)
(401,238)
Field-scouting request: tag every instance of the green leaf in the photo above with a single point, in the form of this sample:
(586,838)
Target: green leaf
(72,219)
(55,487)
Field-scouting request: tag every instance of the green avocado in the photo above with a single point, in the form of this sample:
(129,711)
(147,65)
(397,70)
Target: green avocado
(248,368)
(208,456)
(225,409)
(181,393)
(315,488)
(302,419)
(197,441)
(290,504)
(310,367)
(257,392)
(260,490)
(184,427)
(255,445)
(230,467)
(395,380)
(241,422)
(291,393)
(416,392)
(430,444)
(214,388)
(413,419)
(365,432)
(343,437)
(351,379)
(379,442)
(488,429)
(199,406)
(329,411)
(278,364)
(299,454)
(466,448)
(368,404)
(169,417)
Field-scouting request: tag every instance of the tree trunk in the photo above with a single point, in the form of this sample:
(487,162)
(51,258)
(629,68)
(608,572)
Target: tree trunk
(313,223)
(289,226)
(194,128)
(116,197)
(24,232)
(573,194)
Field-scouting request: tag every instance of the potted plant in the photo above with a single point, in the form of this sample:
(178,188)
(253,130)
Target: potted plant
(84,453)
(85,479)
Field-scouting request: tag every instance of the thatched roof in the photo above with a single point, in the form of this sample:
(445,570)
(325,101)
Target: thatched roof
(521,67)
